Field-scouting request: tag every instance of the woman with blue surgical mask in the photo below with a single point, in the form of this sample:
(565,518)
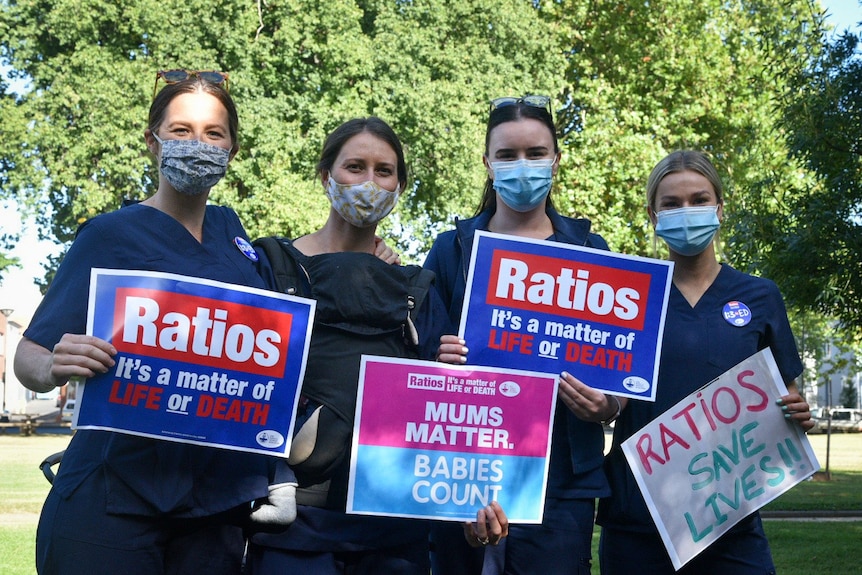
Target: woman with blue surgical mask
(521,158)
(700,342)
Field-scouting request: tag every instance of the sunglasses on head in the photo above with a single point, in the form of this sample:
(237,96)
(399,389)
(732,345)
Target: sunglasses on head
(534,101)
(174,76)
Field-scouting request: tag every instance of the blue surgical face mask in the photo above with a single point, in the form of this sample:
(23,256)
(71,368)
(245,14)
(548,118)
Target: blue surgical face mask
(192,167)
(523,185)
(687,231)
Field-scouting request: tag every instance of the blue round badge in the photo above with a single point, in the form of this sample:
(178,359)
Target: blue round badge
(246,248)
(736,313)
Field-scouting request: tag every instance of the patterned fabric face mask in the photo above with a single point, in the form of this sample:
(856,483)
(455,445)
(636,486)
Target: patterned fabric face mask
(362,205)
(523,185)
(192,167)
(688,231)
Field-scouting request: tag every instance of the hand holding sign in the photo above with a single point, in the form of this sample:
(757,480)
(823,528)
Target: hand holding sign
(797,409)
(452,349)
(586,403)
(79,355)
(490,527)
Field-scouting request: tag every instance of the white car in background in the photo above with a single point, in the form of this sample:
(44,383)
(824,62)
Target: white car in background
(844,420)
(67,411)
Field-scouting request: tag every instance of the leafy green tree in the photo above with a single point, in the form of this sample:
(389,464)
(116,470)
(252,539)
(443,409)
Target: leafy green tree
(297,69)
(12,132)
(815,237)
(5,263)
(630,82)
(645,78)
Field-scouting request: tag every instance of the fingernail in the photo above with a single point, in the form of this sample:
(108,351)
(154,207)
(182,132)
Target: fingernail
(465,350)
(462,341)
(779,401)
(564,374)
(783,408)
(786,416)
(463,359)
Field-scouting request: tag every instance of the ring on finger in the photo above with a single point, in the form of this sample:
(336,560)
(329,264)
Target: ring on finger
(484,541)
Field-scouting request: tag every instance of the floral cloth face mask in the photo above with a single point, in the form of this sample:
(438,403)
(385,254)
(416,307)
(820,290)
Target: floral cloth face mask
(192,167)
(362,205)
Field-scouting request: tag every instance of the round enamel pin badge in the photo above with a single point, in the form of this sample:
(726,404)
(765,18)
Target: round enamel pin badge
(736,313)
(246,248)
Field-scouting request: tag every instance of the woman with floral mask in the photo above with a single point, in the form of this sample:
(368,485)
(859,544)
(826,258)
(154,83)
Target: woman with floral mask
(685,204)
(521,158)
(122,503)
(362,172)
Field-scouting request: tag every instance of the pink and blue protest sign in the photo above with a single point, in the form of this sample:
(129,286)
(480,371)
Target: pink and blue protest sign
(549,307)
(718,456)
(198,361)
(438,441)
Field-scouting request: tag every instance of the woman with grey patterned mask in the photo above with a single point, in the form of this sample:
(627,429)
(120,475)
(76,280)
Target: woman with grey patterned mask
(124,503)
(193,136)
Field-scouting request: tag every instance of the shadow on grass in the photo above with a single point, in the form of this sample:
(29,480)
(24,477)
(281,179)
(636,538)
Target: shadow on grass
(805,547)
(842,493)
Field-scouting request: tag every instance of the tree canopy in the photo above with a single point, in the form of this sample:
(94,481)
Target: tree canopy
(297,70)
(812,243)
(630,82)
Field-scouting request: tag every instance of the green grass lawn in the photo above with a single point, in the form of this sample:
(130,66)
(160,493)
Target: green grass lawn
(842,492)
(799,547)
(809,547)
(22,490)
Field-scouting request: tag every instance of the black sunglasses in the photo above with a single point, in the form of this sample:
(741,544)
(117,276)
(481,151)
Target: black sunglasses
(174,76)
(534,101)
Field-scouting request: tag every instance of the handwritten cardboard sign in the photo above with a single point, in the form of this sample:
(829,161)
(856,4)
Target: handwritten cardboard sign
(548,307)
(198,361)
(437,441)
(717,456)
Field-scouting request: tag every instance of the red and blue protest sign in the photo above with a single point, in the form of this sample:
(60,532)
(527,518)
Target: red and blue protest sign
(552,307)
(438,441)
(198,361)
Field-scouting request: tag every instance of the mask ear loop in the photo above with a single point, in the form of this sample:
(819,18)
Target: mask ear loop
(654,237)
(716,239)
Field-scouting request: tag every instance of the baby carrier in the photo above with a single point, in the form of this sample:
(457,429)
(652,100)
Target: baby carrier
(364,306)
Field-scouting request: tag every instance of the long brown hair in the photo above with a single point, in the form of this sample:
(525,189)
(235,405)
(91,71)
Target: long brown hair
(194,84)
(374,126)
(513,113)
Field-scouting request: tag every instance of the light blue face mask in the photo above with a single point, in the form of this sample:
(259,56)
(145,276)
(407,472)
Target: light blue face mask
(192,167)
(688,231)
(523,185)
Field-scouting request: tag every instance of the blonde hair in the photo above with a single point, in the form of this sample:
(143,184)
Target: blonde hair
(680,161)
